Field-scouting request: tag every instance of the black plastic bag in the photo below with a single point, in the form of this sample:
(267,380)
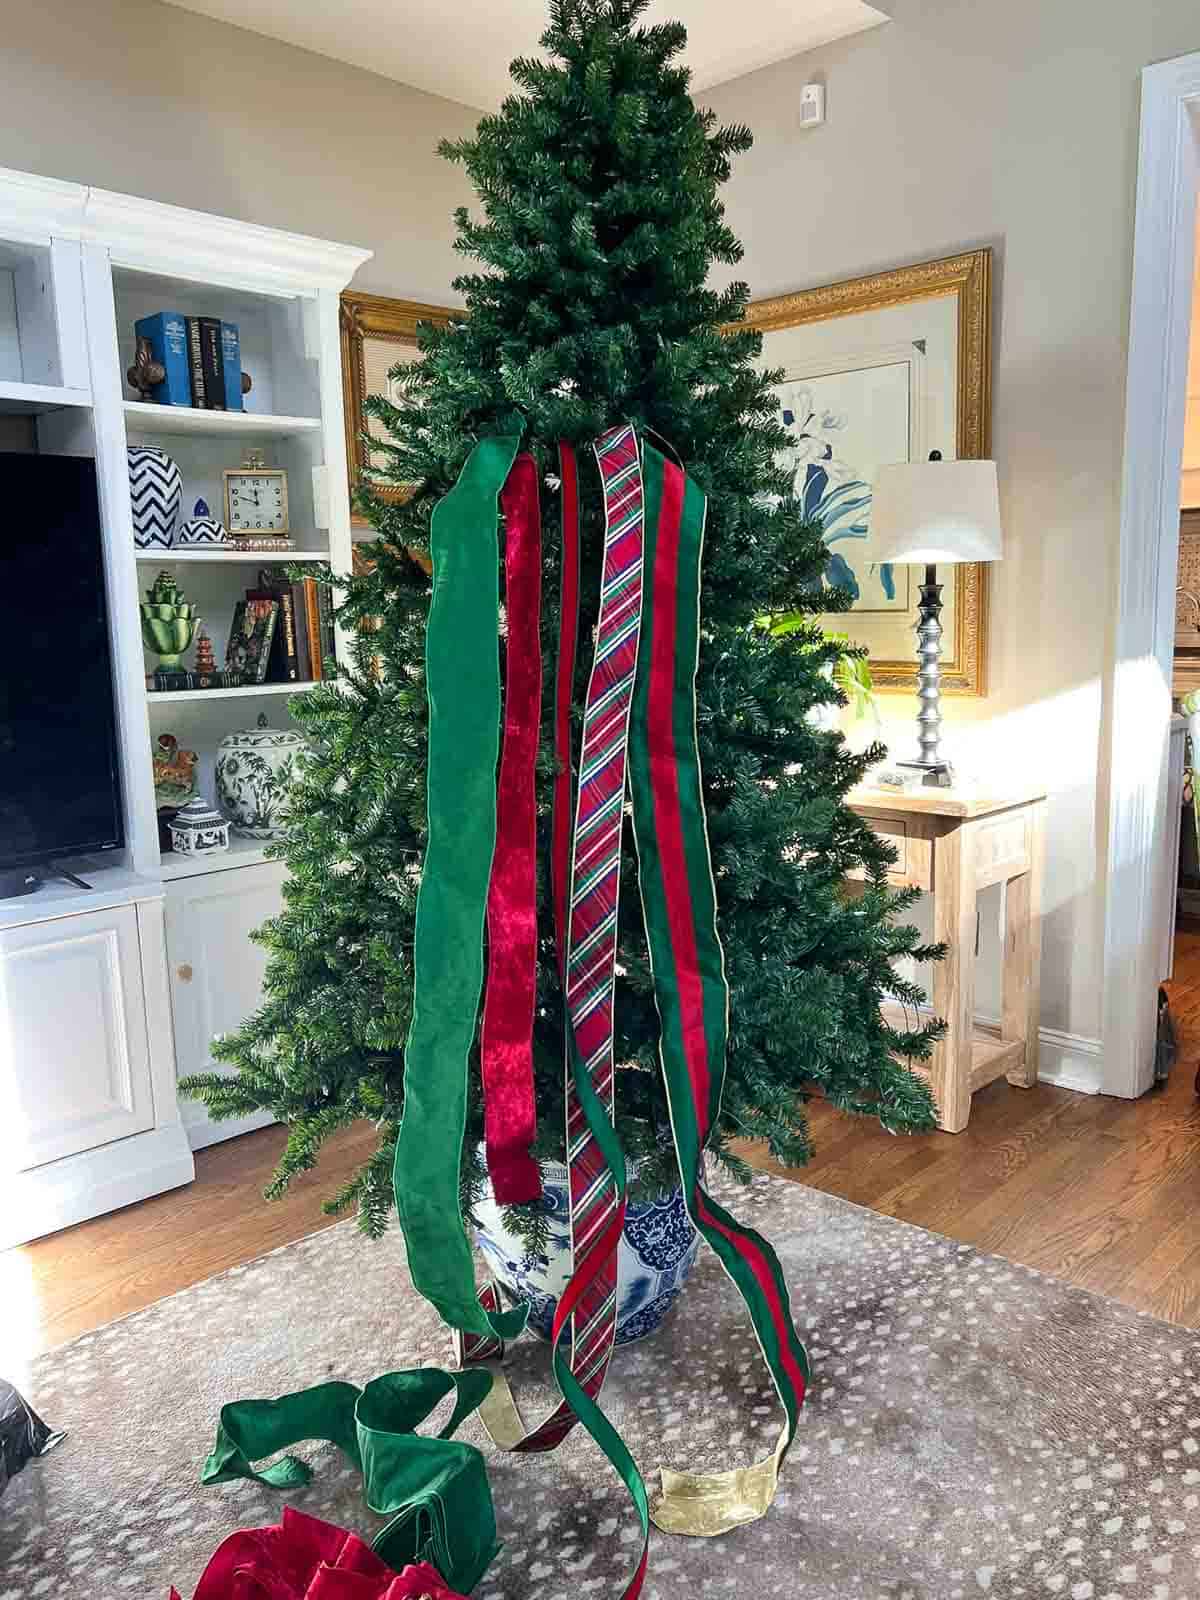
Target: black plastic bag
(23,1434)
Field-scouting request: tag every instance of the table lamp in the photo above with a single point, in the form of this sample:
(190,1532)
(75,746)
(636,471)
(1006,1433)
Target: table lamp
(929,513)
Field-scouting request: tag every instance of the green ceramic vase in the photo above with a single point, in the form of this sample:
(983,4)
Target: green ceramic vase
(168,620)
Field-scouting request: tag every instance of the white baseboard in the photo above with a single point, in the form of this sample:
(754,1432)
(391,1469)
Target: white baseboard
(62,1193)
(1070,1061)
(1067,1060)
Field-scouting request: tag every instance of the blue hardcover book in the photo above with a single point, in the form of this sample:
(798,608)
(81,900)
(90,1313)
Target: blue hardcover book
(231,355)
(167,333)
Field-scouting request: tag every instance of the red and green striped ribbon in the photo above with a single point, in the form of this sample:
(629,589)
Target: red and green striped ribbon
(586,877)
(690,986)
(661,582)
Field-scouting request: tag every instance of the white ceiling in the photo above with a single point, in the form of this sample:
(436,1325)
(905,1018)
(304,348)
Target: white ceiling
(461,48)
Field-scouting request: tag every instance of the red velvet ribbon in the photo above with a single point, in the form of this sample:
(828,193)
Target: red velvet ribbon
(509,1112)
(568,640)
(306,1559)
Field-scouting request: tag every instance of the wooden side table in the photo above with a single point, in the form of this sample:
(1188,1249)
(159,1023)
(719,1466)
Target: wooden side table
(953,844)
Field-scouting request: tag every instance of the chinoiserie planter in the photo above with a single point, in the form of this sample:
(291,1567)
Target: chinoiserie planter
(155,491)
(254,772)
(658,1249)
(197,829)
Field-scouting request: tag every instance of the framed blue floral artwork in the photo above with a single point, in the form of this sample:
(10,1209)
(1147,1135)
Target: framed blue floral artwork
(845,424)
(877,370)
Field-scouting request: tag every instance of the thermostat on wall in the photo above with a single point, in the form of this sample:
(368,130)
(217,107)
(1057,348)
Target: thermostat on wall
(812,105)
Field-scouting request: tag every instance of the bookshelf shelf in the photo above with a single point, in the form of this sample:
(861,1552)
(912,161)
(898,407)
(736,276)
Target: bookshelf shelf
(165,939)
(263,558)
(35,399)
(143,416)
(241,853)
(248,691)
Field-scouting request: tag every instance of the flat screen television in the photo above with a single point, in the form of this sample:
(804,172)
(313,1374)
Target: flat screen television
(59,785)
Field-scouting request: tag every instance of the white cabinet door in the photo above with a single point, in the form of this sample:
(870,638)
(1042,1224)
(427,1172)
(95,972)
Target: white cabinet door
(216,972)
(72,1036)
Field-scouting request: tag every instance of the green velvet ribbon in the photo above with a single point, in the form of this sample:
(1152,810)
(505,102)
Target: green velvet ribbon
(462,677)
(433,1490)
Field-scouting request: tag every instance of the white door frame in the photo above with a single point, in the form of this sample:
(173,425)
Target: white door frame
(1155,399)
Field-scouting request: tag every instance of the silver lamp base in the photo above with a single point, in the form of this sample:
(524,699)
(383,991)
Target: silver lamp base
(940,776)
(935,771)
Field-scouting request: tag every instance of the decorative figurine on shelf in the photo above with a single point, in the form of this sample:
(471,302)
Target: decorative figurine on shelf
(254,772)
(174,782)
(199,829)
(174,772)
(206,661)
(155,491)
(168,621)
(206,674)
(201,528)
(247,382)
(146,373)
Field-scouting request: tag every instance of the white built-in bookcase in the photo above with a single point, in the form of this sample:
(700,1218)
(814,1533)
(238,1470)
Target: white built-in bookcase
(78,266)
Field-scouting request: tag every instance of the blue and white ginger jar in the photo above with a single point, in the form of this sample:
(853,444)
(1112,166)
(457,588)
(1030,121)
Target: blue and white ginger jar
(658,1249)
(202,528)
(155,490)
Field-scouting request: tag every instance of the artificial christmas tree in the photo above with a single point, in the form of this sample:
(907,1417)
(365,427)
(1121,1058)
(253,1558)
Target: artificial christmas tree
(601,223)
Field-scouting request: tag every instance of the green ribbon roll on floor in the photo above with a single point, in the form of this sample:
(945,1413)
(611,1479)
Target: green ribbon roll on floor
(433,1490)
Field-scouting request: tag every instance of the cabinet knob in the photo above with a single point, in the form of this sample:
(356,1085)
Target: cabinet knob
(184,973)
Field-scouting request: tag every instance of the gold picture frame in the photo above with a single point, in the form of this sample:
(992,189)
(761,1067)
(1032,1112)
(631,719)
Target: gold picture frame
(967,279)
(375,331)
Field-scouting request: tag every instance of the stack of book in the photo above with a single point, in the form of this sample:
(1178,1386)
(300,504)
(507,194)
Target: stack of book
(202,359)
(298,630)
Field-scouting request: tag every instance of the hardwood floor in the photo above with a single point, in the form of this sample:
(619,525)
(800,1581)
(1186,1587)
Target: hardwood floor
(1102,1192)
(1105,1193)
(86,1276)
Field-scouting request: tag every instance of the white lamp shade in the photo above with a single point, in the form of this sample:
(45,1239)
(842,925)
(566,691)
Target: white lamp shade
(936,512)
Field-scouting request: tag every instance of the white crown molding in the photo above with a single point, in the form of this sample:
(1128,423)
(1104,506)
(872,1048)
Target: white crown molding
(172,239)
(35,210)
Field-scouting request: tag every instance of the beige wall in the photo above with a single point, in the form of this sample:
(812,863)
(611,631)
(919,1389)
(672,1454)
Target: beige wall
(144,98)
(964,123)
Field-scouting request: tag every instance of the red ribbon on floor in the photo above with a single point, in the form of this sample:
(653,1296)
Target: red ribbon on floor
(510,1115)
(303,1558)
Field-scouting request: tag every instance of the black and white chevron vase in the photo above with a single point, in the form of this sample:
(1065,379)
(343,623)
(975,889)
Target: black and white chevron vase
(155,489)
